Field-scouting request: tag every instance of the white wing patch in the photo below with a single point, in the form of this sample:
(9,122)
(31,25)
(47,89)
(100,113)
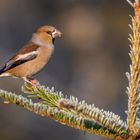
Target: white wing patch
(27,55)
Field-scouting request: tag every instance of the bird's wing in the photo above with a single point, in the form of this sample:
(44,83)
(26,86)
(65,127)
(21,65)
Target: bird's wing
(27,53)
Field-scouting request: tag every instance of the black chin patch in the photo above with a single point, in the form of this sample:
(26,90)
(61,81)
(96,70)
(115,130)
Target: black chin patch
(53,40)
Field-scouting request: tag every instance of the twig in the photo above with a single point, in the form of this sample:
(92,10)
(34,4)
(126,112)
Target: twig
(62,116)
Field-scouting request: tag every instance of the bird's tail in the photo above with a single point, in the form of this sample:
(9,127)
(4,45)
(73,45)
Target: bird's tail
(2,73)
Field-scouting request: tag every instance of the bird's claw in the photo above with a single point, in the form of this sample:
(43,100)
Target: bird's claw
(32,81)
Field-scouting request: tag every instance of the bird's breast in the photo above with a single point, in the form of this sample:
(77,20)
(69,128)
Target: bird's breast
(42,59)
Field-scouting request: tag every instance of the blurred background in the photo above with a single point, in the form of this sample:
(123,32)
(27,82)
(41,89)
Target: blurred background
(89,62)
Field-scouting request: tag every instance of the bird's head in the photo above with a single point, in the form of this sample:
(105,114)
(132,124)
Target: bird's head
(46,34)
(50,31)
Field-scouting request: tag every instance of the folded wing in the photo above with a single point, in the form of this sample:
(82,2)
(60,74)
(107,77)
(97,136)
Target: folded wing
(27,53)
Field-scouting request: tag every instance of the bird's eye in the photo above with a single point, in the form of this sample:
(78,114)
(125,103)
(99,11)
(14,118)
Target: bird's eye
(49,32)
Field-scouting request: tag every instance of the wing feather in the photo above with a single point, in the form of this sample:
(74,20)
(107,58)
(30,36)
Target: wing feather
(27,53)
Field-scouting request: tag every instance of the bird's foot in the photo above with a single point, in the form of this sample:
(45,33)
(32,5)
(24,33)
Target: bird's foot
(32,81)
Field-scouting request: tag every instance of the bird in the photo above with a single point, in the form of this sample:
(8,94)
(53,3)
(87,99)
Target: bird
(33,56)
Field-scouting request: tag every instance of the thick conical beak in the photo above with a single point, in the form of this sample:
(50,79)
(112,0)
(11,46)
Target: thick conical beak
(56,33)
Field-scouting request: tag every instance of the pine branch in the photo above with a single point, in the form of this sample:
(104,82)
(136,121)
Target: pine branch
(82,109)
(134,76)
(58,114)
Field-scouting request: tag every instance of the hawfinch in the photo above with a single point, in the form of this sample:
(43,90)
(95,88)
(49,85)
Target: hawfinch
(30,59)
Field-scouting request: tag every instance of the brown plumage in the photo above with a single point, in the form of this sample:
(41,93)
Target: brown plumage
(30,59)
